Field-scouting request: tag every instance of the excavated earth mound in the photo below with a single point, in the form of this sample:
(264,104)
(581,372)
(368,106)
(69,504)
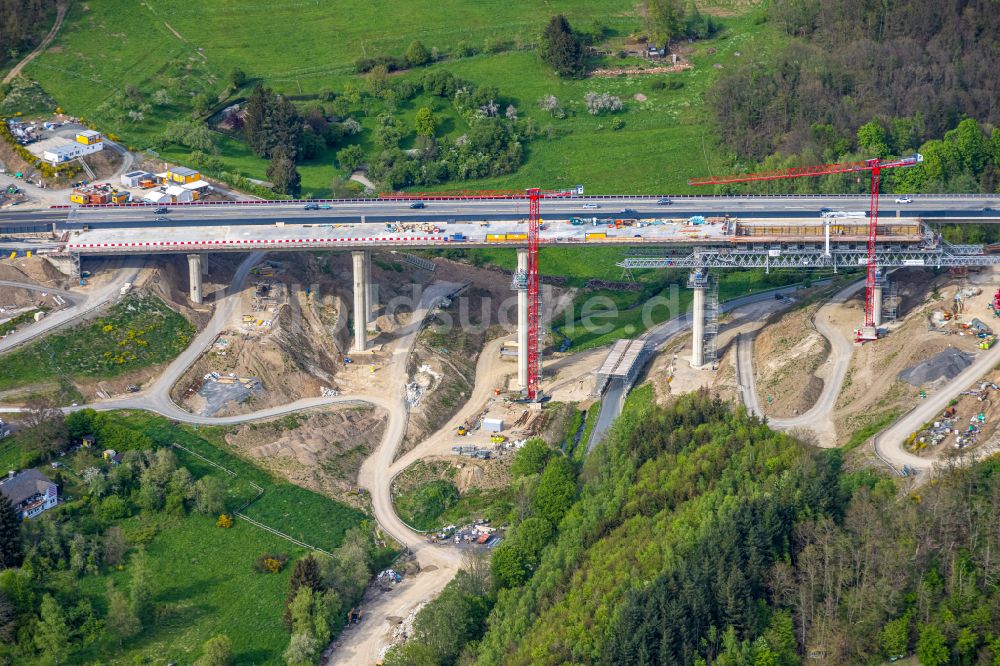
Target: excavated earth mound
(944,365)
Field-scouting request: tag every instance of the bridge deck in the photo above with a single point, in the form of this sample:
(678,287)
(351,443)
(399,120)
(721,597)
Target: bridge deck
(166,239)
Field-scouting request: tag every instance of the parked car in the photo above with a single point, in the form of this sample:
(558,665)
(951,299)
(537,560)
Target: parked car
(664,202)
(904,200)
(162,210)
(312,206)
(590,205)
(418,204)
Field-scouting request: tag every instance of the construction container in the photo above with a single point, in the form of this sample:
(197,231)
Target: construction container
(495,238)
(517,237)
(492,424)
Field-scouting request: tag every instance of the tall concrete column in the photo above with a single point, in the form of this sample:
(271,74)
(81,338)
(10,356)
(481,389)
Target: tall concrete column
(522,320)
(194,277)
(697,281)
(372,295)
(361,273)
(877,304)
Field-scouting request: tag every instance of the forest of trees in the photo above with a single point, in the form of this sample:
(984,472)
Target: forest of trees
(22,24)
(697,535)
(918,73)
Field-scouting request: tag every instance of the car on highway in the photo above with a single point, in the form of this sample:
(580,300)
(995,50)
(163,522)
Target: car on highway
(591,205)
(312,206)
(904,200)
(162,219)
(326,206)
(989,210)
(629,211)
(418,204)
(161,211)
(664,202)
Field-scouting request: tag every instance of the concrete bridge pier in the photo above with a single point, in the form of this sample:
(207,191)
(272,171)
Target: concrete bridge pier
(877,303)
(371,296)
(362,311)
(698,281)
(522,317)
(194,277)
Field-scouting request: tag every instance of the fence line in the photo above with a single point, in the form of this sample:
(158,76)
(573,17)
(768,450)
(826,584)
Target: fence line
(260,491)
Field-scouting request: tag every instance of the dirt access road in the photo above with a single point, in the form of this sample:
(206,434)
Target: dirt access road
(819,418)
(60,16)
(889,444)
(364,643)
(83,304)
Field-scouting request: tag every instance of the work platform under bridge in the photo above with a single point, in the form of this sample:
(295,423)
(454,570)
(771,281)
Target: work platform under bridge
(932,253)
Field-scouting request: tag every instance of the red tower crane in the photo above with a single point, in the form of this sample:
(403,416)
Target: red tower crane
(875,166)
(534,196)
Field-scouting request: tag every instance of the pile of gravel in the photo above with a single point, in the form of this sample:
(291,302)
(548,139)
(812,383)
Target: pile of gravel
(945,365)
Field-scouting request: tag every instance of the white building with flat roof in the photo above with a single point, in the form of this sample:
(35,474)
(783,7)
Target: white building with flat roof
(70,151)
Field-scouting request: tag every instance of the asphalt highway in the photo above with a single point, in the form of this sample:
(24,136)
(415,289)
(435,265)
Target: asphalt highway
(969,207)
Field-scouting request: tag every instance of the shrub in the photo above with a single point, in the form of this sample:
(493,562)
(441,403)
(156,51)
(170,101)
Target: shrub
(224,521)
(270,562)
(599,103)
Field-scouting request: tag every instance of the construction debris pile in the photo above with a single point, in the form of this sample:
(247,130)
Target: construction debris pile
(387,578)
(962,432)
(479,533)
(422,227)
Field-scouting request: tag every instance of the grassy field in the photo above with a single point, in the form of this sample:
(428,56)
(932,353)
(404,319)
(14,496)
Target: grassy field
(136,333)
(205,585)
(186,49)
(303,514)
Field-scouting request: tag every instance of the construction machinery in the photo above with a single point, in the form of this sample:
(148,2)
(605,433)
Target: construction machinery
(529,281)
(874,166)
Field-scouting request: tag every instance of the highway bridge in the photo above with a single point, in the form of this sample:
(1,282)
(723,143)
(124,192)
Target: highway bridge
(739,232)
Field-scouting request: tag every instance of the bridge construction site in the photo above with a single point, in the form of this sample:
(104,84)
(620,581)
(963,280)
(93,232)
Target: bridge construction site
(699,234)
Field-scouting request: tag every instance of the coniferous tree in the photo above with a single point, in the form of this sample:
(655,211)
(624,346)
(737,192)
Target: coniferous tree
(561,49)
(253,119)
(282,127)
(51,632)
(10,535)
(305,574)
(282,173)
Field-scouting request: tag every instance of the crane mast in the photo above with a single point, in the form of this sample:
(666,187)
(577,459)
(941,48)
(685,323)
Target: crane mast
(534,195)
(874,166)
